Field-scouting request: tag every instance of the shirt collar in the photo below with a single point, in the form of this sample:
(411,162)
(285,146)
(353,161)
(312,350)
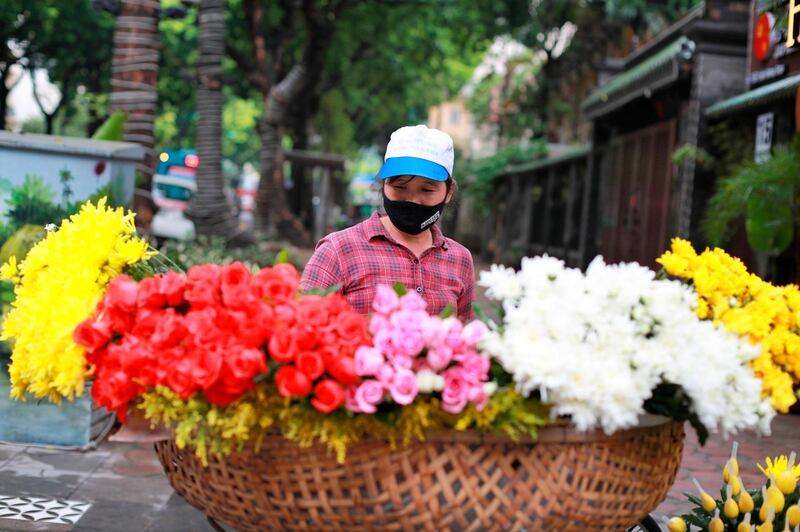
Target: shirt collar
(374,228)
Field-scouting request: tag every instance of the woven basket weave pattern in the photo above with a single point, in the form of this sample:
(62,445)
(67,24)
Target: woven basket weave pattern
(453,481)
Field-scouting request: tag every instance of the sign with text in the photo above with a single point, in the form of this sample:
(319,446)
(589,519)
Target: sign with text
(764,127)
(775,41)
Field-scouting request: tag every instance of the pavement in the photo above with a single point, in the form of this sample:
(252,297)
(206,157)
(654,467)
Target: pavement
(120,486)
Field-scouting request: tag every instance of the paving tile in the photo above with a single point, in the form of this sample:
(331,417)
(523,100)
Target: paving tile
(108,516)
(9,451)
(179,516)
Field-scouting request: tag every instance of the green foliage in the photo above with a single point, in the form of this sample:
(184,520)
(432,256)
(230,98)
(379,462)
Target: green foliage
(113,128)
(71,40)
(20,242)
(334,125)
(33,202)
(690,152)
(480,173)
(240,142)
(212,249)
(765,195)
(670,400)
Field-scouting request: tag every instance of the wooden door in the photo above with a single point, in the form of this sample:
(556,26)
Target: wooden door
(638,180)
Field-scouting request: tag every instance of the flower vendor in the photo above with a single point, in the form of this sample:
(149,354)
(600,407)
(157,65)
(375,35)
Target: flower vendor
(405,245)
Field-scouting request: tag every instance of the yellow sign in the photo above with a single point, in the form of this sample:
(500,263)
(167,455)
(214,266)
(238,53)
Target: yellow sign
(794,10)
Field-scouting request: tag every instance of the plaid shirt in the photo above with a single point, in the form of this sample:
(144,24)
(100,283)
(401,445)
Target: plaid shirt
(365,255)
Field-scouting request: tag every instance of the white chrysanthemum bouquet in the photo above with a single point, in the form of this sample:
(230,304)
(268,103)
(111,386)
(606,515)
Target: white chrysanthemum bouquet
(609,345)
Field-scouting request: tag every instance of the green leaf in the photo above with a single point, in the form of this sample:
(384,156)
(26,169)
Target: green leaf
(282,257)
(446,312)
(769,223)
(324,291)
(400,289)
(480,313)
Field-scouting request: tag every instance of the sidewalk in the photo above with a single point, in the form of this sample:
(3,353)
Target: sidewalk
(127,491)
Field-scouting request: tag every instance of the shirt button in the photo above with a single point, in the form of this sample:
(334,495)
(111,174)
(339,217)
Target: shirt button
(416,261)
(419,289)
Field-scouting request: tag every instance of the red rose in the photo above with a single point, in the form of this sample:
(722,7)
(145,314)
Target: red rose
(312,312)
(92,334)
(232,322)
(260,326)
(310,363)
(336,303)
(285,314)
(180,379)
(149,294)
(218,396)
(210,274)
(329,353)
(292,382)
(282,346)
(274,286)
(343,369)
(206,366)
(235,286)
(305,337)
(172,285)
(351,327)
(246,363)
(122,293)
(169,330)
(201,294)
(328,396)
(287,271)
(201,325)
(145,322)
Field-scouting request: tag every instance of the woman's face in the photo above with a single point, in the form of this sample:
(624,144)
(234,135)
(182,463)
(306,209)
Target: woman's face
(416,189)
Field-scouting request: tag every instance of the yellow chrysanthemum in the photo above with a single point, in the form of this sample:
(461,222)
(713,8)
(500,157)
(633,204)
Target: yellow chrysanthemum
(779,465)
(747,305)
(58,285)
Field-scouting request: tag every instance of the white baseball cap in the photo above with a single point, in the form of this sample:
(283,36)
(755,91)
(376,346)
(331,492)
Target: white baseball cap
(418,150)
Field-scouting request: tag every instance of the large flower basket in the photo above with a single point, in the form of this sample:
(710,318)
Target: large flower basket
(566,480)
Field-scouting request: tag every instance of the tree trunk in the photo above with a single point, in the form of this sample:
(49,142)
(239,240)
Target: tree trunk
(209,208)
(134,75)
(4,90)
(272,213)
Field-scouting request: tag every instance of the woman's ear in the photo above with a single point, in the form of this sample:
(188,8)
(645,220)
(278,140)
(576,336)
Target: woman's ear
(450,190)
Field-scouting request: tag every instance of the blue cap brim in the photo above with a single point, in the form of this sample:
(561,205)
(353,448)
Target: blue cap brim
(412,166)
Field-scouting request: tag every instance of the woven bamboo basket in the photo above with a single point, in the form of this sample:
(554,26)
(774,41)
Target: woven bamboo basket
(454,481)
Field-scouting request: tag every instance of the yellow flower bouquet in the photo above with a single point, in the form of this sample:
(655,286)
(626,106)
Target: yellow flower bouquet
(768,315)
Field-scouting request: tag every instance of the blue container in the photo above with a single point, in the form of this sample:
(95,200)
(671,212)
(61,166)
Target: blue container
(75,424)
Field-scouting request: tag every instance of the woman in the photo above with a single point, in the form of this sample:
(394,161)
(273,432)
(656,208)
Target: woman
(405,245)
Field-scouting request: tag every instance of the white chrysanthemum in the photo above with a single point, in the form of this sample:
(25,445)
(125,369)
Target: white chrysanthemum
(595,345)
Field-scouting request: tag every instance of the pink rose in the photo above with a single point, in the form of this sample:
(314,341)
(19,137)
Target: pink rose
(473,332)
(377,323)
(409,320)
(412,301)
(383,341)
(400,360)
(456,391)
(403,388)
(477,396)
(368,395)
(385,300)
(433,331)
(408,342)
(453,335)
(439,357)
(368,360)
(476,367)
(385,374)
(350,402)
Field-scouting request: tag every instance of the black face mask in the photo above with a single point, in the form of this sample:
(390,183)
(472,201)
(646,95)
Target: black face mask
(412,218)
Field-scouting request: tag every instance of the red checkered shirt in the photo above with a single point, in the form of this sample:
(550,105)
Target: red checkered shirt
(363,256)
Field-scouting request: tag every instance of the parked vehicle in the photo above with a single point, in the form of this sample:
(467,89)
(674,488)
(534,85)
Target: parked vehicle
(173,187)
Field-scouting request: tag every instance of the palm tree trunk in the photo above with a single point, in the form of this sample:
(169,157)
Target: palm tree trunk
(272,213)
(134,75)
(209,208)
